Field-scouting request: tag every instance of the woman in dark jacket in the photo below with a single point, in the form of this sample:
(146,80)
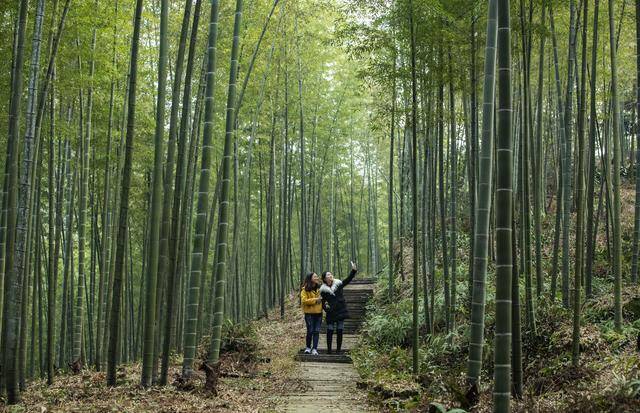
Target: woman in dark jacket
(334,305)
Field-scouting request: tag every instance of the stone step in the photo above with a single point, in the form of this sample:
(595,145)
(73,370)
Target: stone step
(357,293)
(348,342)
(350,327)
(364,288)
(360,289)
(324,351)
(357,316)
(331,372)
(349,321)
(367,281)
(347,330)
(357,304)
(354,286)
(323,358)
(351,324)
(355,307)
(356,298)
(361,301)
(355,312)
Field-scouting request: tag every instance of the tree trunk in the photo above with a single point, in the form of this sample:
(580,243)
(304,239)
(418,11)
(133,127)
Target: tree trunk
(482,213)
(504,196)
(617,236)
(211,364)
(114,321)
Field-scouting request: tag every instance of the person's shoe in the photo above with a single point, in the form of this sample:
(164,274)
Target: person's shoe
(314,352)
(307,350)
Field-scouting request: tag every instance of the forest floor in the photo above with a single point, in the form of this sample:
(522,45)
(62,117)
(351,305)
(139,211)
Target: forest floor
(260,374)
(607,378)
(260,382)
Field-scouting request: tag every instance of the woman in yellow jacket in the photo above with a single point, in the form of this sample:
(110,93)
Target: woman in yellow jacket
(312,308)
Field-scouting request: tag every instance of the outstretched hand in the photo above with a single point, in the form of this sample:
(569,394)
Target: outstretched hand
(354,267)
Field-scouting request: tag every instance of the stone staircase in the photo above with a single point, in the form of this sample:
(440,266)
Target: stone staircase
(356,294)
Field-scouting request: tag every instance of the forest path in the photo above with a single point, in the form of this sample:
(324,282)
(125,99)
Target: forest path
(330,379)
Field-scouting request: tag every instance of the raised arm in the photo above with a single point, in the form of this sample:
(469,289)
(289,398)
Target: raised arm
(354,270)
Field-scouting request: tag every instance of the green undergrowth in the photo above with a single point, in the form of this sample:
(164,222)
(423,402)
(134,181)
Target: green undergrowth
(607,378)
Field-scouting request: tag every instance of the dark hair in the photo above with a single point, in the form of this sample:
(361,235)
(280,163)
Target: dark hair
(308,284)
(324,275)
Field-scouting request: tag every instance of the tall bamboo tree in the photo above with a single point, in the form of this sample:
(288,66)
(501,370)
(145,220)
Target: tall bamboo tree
(561,142)
(592,154)
(567,174)
(114,321)
(636,226)
(82,215)
(504,200)
(580,153)
(156,199)
(441,193)
(615,174)
(164,265)
(29,183)
(203,199)
(106,218)
(526,126)
(453,165)
(483,210)
(17,213)
(414,190)
(52,276)
(303,191)
(473,152)
(181,209)
(538,172)
(223,213)
(392,132)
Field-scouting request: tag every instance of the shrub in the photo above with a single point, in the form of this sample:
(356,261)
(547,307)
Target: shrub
(391,325)
(241,339)
(239,343)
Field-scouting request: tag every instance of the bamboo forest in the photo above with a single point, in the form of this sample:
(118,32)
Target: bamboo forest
(320,206)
